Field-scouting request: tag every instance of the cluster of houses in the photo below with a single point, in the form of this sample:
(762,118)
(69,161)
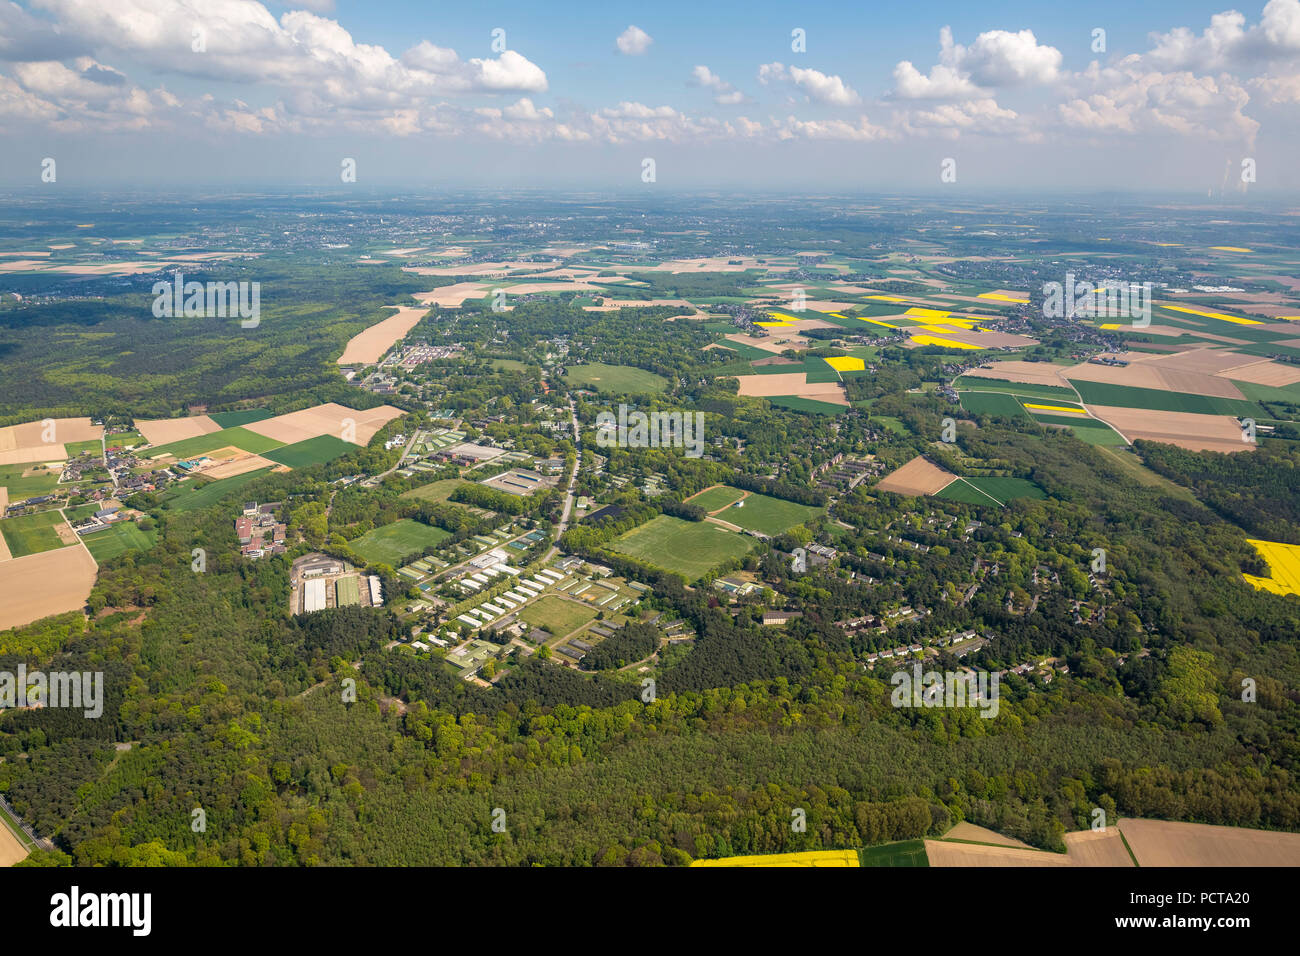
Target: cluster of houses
(99,520)
(258,531)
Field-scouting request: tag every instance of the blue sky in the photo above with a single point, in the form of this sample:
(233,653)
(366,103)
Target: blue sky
(243,91)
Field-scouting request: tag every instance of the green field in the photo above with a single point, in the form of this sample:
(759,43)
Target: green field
(990,491)
(992,403)
(975,383)
(75,448)
(1126,396)
(560,615)
(231,419)
(439,491)
(118,539)
(905,853)
(690,548)
(41,482)
(202,444)
(622,379)
(716,498)
(1085,429)
(31,534)
(795,403)
(191,495)
(394,543)
(313,451)
(771,516)
(513,365)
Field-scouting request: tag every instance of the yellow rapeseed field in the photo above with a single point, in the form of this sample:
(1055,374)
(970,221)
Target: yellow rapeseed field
(1055,408)
(946,343)
(809,858)
(1284,561)
(1211,315)
(846,363)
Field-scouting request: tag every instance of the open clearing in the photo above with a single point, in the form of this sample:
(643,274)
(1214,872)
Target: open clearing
(39,585)
(690,548)
(770,516)
(562,617)
(393,543)
(368,347)
(623,379)
(349,424)
(918,477)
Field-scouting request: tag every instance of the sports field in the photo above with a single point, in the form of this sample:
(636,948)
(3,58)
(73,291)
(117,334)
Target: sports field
(771,516)
(394,543)
(347,591)
(561,616)
(32,534)
(616,378)
(191,495)
(118,539)
(237,436)
(690,548)
(313,451)
(714,498)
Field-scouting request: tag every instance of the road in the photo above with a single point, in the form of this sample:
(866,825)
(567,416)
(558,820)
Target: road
(573,480)
(415,433)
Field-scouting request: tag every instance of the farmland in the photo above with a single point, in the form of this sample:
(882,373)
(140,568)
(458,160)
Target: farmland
(313,451)
(32,534)
(996,491)
(394,543)
(238,437)
(42,584)
(118,538)
(192,495)
(816,858)
(690,548)
(1284,563)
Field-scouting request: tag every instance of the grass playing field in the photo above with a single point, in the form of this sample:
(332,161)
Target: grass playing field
(771,516)
(690,548)
(347,591)
(202,444)
(394,543)
(118,539)
(715,498)
(560,616)
(616,378)
(190,495)
(31,534)
(313,451)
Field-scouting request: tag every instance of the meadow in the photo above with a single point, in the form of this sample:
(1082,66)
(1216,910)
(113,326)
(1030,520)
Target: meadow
(714,498)
(557,614)
(41,482)
(232,419)
(191,495)
(689,548)
(32,534)
(239,437)
(393,543)
(118,539)
(620,379)
(313,451)
(990,491)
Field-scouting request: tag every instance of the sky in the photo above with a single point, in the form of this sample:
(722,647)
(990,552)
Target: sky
(819,97)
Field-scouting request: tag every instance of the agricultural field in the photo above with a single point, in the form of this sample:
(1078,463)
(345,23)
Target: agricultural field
(313,451)
(1085,429)
(907,853)
(770,516)
(980,383)
(992,403)
(117,539)
(394,543)
(237,437)
(192,495)
(32,534)
(28,481)
(1284,564)
(38,585)
(689,548)
(812,405)
(817,858)
(232,419)
(619,379)
(559,615)
(990,491)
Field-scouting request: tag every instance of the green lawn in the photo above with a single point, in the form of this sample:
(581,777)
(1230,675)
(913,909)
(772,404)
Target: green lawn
(41,482)
(771,516)
(560,615)
(622,379)
(202,444)
(118,539)
(75,448)
(394,543)
(690,548)
(716,498)
(313,451)
(31,534)
(191,495)
(904,853)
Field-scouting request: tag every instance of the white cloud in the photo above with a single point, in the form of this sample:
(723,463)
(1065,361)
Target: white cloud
(997,58)
(817,86)
(724,94)
(633,41)
(1227,42)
